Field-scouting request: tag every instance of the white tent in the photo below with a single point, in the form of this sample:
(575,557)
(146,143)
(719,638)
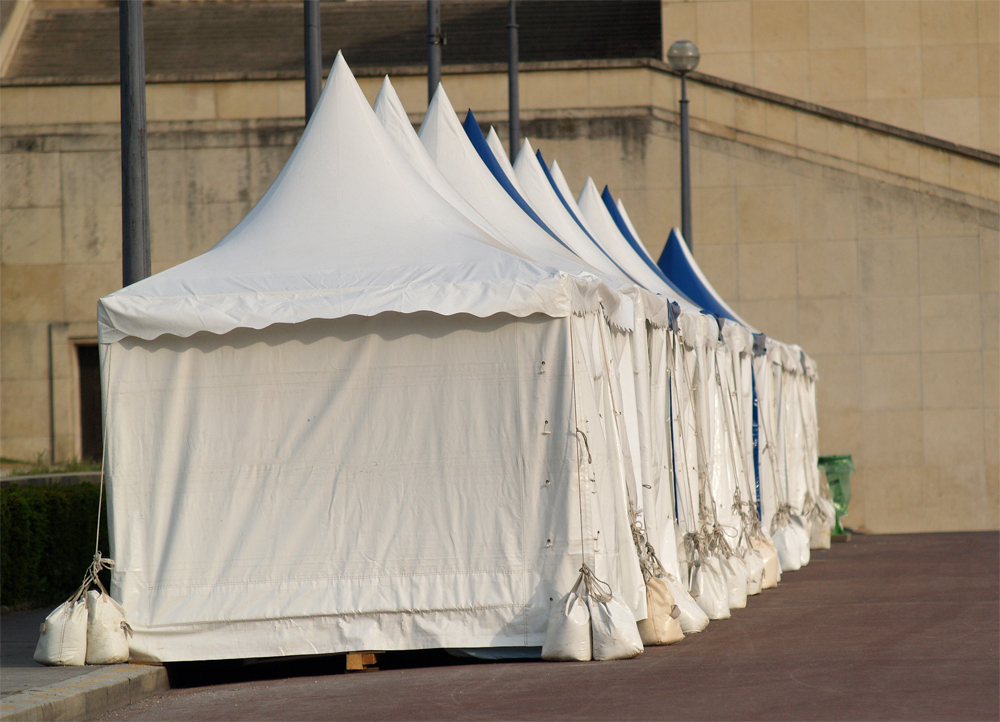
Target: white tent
(360,421)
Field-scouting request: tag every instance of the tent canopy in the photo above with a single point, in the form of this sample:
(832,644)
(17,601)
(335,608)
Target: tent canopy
(680,267)
(349,227)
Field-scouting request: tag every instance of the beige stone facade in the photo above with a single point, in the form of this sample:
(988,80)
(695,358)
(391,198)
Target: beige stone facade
(928,66)
(878,253)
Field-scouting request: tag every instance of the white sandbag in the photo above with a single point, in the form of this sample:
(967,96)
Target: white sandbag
(772,567)
(755,570)
(63,637)
(787,542)
(567,637)
(820,537)
(734,571)
(614,631)
(682,560)
(801,527)
(692,617)
(709,588)
(661,625)
(107,630)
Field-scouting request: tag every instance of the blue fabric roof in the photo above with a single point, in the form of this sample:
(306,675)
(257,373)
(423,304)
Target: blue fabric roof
(676,265)
(559,195)
(478,140)
(609,203)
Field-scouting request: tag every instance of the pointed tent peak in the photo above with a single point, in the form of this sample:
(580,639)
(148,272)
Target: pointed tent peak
(526,157)
(628,221)
(347,228)
(440,122)
(623,227)
(589,191)
(385,88)
(495,144)
(440,105)
(679,265)
(340,68)
(506,178)
(387,102)
(561,184)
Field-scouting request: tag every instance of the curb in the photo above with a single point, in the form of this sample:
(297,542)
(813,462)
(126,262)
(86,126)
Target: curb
(89,695)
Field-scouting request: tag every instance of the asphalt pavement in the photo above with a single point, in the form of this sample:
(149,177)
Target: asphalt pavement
(31,691)
(883,627)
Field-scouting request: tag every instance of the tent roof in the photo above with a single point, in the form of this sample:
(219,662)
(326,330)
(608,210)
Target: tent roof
(545,198)
(349,227)
(618,247)
(679,265)
(465,167)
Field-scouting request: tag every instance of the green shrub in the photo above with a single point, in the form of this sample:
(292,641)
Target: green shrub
(47,541)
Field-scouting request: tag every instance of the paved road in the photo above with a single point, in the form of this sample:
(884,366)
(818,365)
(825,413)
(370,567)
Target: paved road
(884,627)
(18,671)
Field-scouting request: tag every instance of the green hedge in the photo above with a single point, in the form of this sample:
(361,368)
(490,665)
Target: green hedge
(47,541)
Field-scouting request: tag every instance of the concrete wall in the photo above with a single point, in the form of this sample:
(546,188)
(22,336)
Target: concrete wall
(878,254)
(931,67)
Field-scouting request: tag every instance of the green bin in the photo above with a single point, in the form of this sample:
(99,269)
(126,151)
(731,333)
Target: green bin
(838,475)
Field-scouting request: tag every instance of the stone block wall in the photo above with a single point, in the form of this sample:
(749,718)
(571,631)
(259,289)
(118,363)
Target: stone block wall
(926,65)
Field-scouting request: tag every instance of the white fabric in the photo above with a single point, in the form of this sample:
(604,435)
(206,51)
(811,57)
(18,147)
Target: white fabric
(260,523)
(613,242)
(734,571)
(615,633)
(347,228)
(530,180)
(63,636)
(755,570)
(567,636)
(788,542)
(107,642)
(628,221)
(708,587)
(692,617)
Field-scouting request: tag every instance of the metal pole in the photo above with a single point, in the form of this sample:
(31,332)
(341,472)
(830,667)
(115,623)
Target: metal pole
(685,167)
(314,62)
(135,184)
(433,47)
(514,101)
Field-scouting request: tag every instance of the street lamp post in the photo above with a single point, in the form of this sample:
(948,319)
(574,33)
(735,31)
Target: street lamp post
(683,58)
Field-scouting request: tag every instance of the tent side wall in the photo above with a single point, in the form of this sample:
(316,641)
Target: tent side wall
(341,485)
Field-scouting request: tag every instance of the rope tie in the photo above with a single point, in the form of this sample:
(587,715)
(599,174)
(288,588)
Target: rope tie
(782,517)
(717,541)
(694,544)
(590,459)
(597,590)
(813,511)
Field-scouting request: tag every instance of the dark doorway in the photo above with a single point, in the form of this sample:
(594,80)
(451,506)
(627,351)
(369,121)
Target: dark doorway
(91,430)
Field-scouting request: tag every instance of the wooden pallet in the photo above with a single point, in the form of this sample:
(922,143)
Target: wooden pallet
(361,662)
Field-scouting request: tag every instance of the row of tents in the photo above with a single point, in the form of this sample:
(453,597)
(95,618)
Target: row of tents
(419,394)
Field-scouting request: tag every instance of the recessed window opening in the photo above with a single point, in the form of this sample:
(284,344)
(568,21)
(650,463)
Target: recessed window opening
(91,430)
